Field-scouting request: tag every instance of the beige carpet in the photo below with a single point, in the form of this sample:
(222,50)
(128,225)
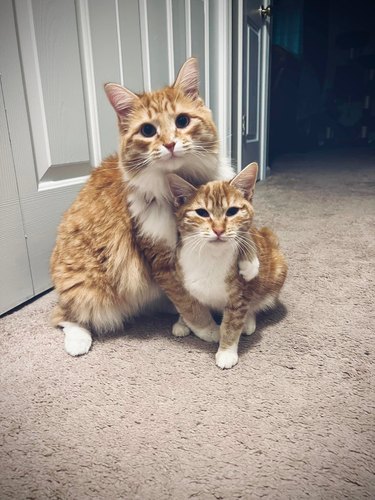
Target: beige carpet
(148,416)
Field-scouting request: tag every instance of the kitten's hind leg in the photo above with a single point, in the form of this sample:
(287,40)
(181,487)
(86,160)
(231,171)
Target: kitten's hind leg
(77,339)
(250,324)
(209,333)
(180,328)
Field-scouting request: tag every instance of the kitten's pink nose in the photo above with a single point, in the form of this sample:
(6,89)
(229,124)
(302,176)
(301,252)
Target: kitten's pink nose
(170,146)
(218,231)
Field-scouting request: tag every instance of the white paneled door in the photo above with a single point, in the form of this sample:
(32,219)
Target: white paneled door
(55,121)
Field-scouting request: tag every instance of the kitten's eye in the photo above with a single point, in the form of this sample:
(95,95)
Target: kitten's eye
(182,121)
(148,130)
(202,212)
(232,211)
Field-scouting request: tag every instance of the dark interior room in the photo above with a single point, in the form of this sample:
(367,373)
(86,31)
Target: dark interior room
(322,76)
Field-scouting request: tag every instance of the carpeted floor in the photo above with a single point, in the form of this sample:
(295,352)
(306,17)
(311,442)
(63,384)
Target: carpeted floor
(149,416)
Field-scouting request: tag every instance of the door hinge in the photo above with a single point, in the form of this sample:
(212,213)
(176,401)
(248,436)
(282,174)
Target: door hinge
(243,124)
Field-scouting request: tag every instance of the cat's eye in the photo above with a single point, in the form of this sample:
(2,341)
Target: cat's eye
(202,212)
(148,130)
(182,121)
(232,211)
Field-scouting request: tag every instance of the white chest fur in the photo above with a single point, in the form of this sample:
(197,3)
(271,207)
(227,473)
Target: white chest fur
(205,272)
(156,219)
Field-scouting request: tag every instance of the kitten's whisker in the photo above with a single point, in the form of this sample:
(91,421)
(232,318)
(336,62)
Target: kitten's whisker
(192,242)
(245,240)
(246,245)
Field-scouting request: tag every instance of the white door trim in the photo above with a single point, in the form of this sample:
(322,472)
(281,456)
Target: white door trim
(88,76)
(265,95)
(221,70)
(239,83)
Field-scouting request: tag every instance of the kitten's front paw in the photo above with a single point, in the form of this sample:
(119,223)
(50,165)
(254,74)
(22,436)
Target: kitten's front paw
(226,358)
(249,269)
(180,329)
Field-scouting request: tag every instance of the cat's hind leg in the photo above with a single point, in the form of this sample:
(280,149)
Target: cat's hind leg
(78,340)
(73,321)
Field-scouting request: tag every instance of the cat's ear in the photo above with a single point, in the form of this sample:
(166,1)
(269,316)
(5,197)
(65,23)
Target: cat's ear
(188,78)
(180,189)
(245,180)
(122,99)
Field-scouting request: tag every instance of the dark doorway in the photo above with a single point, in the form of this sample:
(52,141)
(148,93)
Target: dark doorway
(322,76)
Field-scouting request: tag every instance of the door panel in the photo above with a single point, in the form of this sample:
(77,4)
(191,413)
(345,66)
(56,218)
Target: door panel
(50,58)
(158,34)
(42,214)
(179,33)
(130,40)
(15,275)
(52,45)
(198,47)
(101,22)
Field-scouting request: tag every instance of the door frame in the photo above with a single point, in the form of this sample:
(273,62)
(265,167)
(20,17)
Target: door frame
(237,77)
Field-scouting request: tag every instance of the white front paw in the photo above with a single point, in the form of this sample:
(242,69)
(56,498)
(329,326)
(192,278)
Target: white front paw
(180,329)
(249,269)
(226,358)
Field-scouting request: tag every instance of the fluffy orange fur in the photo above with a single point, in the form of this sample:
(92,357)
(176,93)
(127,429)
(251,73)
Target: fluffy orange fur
(96,265)
(115,246)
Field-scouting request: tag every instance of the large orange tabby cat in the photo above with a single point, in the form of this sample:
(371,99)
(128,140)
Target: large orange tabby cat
(216,234)
(115,246)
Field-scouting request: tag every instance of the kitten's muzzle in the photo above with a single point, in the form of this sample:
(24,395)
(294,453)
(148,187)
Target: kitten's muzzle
(220,236)
(170,146)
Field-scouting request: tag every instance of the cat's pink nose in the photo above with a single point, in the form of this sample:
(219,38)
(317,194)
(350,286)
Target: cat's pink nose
(170,146)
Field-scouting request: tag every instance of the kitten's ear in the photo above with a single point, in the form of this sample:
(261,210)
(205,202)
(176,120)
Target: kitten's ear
(180,189)
(245,180)
(122,99)
(188,78)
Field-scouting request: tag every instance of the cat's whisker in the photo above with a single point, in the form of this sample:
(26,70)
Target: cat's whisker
(140,161)
(201,156)
(201,149)
(205,144)
(136,165)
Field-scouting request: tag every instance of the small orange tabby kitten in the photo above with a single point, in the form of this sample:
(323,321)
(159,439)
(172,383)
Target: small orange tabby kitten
(115,249)
(215,226)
